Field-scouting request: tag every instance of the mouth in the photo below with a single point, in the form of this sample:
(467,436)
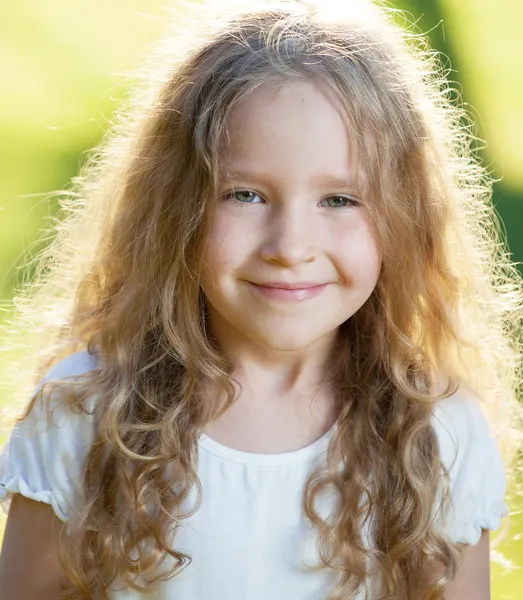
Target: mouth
(295,292)
(301,285)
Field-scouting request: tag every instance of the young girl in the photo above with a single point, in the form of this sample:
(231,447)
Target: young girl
(279,318)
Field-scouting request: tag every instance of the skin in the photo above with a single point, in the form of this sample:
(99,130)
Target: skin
(281,217)
(294,137)
(29,563)
(473,576)
(272,222)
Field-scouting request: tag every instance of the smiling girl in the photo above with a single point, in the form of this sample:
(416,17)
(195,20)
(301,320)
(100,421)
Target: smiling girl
(282,333)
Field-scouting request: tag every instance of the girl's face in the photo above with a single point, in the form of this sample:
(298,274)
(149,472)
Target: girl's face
(288,214)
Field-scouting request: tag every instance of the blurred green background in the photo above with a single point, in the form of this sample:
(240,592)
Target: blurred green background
(64,64)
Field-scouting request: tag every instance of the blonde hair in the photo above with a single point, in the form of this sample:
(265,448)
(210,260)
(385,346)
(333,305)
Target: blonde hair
(447,306)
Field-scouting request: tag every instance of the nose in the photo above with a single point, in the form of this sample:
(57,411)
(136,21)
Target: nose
(290,238)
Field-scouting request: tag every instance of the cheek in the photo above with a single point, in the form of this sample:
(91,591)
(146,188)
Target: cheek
(357,252)
(226,244)
(359,246)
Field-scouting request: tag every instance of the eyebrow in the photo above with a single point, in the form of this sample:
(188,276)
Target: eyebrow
(326,180)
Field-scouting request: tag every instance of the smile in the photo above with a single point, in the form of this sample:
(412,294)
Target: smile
(289,295)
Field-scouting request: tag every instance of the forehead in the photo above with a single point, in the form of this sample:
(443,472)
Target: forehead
(296,129)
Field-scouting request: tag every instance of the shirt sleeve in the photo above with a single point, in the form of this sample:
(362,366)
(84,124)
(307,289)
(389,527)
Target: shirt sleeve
(45,454)
(471,453)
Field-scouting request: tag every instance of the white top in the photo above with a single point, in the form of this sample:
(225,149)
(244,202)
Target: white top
(249,536)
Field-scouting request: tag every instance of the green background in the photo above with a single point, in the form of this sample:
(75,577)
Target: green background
(64,68)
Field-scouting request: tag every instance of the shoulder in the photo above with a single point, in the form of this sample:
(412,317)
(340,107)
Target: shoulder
(460,422)
(78,363)
(471,455)
(50,411)
(70,367)
(52,425)
(46,452)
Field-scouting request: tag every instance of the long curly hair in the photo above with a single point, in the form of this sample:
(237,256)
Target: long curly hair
(122,278)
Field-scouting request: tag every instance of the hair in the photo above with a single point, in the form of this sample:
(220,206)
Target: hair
(446,310)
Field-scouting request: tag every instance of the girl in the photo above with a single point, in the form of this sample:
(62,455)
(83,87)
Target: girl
(279,312)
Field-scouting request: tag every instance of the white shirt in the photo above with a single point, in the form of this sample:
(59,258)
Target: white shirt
(249,537)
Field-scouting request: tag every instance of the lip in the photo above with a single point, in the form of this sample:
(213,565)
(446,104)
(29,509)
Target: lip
(301,285)
(289,293)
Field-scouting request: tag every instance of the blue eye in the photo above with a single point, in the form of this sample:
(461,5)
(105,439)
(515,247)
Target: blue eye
(242,196)
(345,201)
(249,197)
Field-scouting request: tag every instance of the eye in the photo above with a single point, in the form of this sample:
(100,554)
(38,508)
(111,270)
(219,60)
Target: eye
(341,201)
(242,196)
